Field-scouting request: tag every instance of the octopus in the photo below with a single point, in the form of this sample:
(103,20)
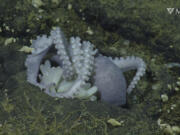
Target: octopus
(82,72)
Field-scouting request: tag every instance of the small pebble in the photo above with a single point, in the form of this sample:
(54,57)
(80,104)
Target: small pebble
(164,97)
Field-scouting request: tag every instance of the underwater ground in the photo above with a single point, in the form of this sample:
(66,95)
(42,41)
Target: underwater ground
(117,28)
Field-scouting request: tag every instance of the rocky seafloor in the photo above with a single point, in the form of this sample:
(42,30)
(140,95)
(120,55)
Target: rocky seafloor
(117,28)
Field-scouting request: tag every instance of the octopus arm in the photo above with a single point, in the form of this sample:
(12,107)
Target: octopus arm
(130,63)
(60,44)
(41,46)
(82,58)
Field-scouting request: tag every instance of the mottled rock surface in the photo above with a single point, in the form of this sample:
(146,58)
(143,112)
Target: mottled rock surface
(117,28)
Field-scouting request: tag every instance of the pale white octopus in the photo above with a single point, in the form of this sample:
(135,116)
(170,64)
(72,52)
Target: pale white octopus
(78,64)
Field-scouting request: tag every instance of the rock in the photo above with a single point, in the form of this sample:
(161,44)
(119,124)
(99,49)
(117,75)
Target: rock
(26,109)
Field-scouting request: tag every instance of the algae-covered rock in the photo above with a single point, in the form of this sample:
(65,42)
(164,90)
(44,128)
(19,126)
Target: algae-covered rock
(117,28)
(11,62)
(27,110)
(147,22)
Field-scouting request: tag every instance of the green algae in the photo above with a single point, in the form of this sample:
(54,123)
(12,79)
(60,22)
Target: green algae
(146,22)
(31,111)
